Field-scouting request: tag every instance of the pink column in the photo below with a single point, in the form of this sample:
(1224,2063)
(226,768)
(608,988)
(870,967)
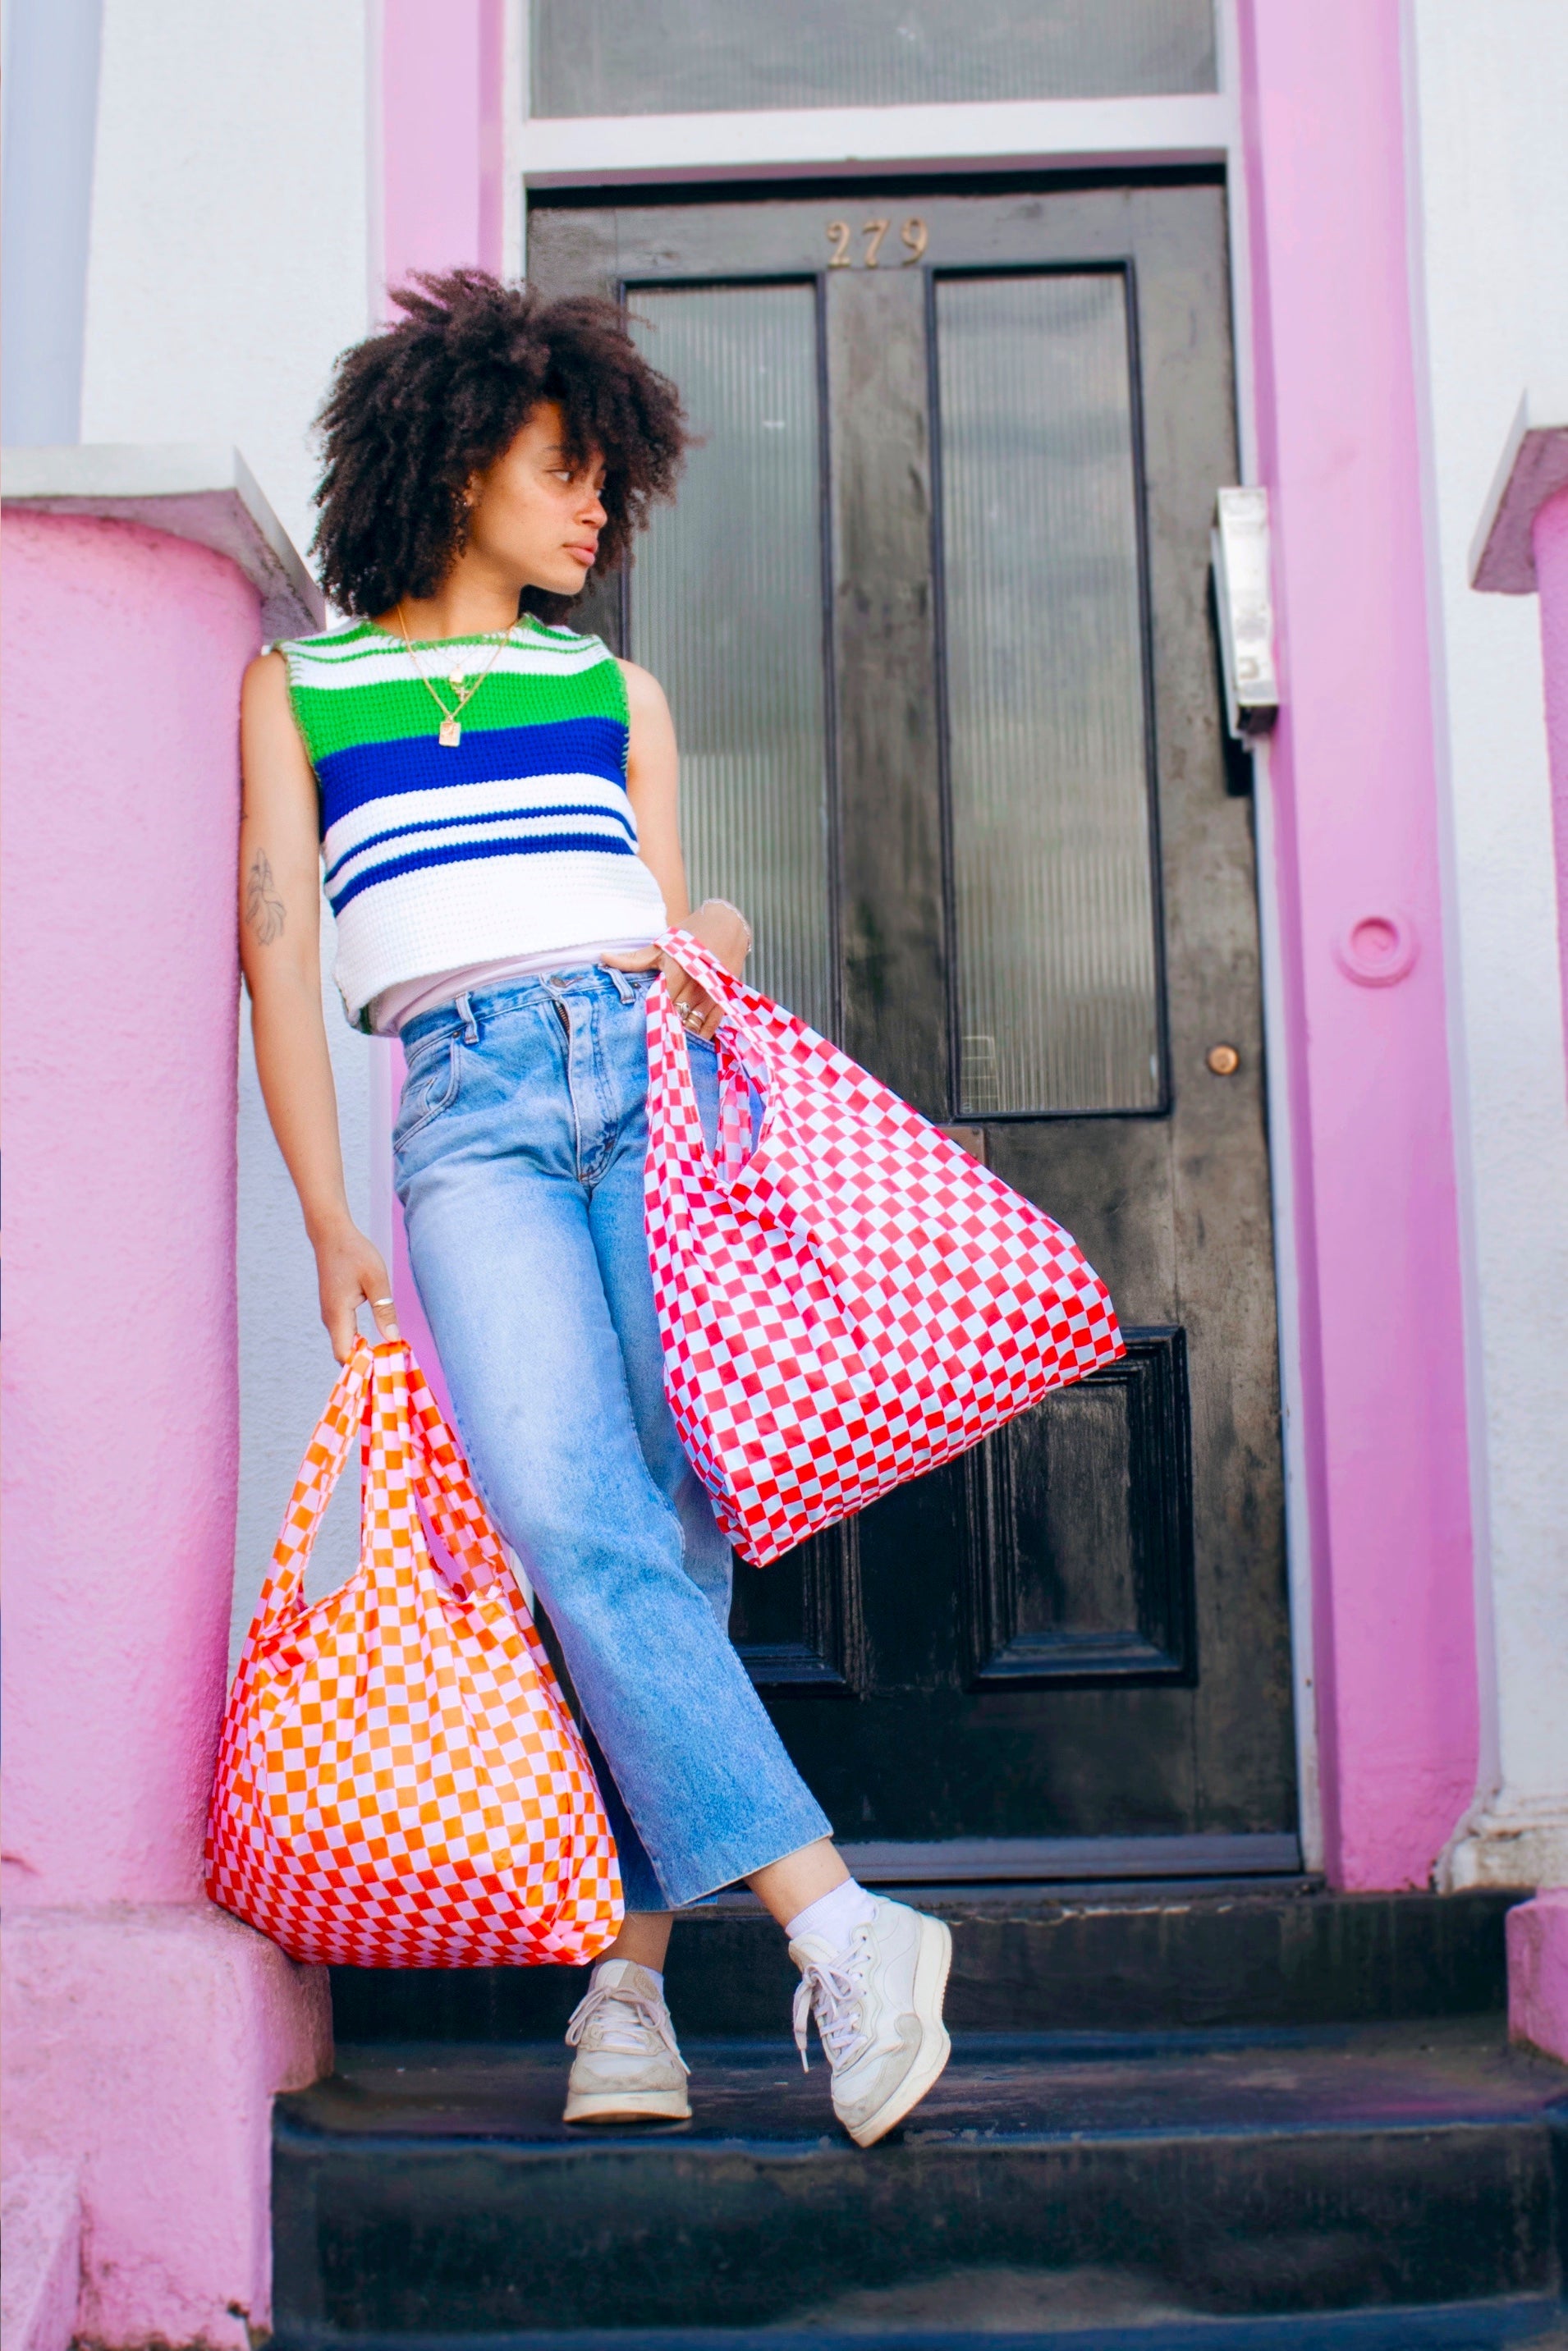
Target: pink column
(145,2033)
(1549,541)
(1538,1931)
(1360,919)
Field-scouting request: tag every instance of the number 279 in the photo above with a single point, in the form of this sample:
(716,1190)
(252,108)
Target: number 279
(913,234)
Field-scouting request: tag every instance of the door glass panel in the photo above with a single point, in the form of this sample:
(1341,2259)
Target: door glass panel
(1053,887)
(694,56)
(727,611)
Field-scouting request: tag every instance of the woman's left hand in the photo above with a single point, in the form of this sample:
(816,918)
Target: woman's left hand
(726,933)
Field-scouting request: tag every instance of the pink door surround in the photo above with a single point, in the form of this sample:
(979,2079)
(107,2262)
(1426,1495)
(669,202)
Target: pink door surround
(1359,906)
(442,143)
(442,96)
(1360,914)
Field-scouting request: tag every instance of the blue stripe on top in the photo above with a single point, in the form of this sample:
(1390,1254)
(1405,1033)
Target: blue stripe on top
(479,815)
(492,755)
(458,853)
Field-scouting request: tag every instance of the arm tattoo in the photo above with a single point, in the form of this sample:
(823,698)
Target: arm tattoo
(264,909)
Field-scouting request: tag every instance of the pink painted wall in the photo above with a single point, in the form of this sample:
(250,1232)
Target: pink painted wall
(1548,539)
(123,651)
(144,2032)
(1538,1972)
(1355,786)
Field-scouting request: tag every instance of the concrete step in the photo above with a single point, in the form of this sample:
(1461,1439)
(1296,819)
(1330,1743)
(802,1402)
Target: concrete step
(1513,2323)
(1053,2182)
(1030,1958)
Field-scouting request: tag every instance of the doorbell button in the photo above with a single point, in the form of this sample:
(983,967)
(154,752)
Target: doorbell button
(1376,948)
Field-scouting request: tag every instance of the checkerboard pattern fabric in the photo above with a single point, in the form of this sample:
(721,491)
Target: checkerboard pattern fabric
(855,1301)
(399,1781)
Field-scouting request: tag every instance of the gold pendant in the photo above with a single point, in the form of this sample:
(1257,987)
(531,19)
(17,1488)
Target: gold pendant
(451,734)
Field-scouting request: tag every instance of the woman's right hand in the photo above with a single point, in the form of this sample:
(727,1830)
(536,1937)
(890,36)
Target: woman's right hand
(351,1273)
(720,927)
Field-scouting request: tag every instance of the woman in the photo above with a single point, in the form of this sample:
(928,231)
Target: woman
(494,798)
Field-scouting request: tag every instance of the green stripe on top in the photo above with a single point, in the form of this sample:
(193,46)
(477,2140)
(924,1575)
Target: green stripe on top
(357,685)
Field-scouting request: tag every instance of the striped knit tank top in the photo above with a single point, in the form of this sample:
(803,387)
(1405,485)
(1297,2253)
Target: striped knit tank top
(519,840)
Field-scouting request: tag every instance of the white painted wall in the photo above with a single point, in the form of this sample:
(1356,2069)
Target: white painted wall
(228,260)
(227,267)
(1490,90)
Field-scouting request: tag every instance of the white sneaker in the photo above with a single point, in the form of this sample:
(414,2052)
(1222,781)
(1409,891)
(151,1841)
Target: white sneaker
(878,2008)
(627,2067)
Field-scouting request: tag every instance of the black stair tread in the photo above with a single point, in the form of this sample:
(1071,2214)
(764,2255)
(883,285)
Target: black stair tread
(1051,2180)
(1104,1957)
(999,2089)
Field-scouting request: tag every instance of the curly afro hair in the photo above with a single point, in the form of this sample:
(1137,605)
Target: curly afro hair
(414,413)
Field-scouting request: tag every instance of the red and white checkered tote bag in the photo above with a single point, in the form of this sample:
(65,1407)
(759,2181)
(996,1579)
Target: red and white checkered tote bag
(399,1781)
(853,1302)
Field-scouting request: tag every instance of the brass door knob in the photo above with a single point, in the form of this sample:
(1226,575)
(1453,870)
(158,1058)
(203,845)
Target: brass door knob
(1223,1060)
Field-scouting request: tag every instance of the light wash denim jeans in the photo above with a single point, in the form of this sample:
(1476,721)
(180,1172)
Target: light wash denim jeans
(520,1147)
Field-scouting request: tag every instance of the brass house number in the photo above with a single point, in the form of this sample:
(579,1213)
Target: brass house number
(913,234)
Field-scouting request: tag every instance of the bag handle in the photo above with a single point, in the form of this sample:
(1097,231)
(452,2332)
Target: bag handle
(445,1486)
(368,1396)
(741,1032)
(325,1456)
(706,968)
(410,1445)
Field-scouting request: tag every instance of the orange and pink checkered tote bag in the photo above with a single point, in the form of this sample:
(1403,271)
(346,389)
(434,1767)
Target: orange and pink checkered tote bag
(399,1781)
(855,1301)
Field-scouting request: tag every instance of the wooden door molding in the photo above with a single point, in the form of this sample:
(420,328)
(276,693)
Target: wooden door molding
(798,1626)
(1103,1471)
(893,930)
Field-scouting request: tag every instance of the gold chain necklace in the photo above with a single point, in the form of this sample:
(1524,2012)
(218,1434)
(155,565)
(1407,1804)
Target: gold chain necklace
(449,733)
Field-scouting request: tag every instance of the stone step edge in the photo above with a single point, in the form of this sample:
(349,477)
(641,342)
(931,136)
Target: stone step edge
(1069,2042)
(1531,2322)
(301,2139)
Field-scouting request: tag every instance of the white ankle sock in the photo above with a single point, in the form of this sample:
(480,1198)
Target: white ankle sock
(657,1974)
(834,1916)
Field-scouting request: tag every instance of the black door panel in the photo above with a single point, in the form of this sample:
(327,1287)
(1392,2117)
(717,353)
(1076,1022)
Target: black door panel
(932,616)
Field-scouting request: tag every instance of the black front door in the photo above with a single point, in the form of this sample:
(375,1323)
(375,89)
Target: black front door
(931,613)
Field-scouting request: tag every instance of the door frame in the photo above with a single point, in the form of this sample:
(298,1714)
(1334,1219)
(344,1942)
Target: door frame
(655,154)
(1171,227)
